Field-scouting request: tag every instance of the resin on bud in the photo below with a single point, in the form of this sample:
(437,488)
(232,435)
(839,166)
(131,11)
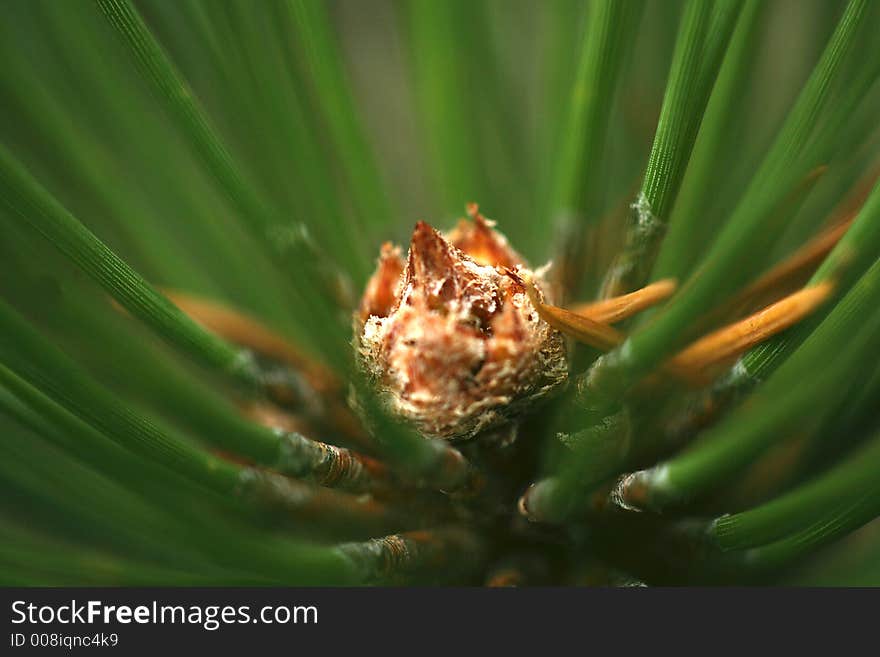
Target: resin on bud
(449,335)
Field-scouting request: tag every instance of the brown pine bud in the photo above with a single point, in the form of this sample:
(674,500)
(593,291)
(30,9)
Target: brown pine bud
(450,336)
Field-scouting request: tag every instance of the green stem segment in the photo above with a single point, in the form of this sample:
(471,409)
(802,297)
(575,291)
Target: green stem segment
(689,227)
(180,101)
(819,504)
(43,365)
(36,206)
(314,38)
(705,31)
(288,242)
(577,192)
(591,457)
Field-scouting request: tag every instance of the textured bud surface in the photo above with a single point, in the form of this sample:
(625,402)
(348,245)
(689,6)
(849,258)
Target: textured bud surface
(450,336)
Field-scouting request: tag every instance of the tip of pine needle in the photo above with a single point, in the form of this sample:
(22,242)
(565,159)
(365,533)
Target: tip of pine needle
(539,504)
(453,473)
(522,504)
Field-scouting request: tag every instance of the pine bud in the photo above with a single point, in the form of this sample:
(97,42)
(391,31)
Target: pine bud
(450,337)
